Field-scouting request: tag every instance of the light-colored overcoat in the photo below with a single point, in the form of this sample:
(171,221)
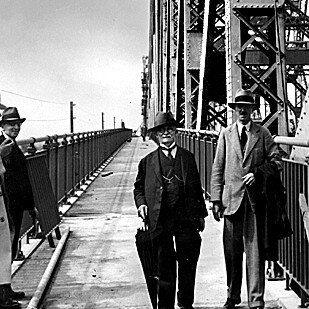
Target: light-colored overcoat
(231,164)
(5,241)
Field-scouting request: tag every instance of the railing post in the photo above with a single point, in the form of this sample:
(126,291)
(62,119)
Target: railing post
(71,166)
(76,162)
(64,144)
(31,150)
(47,146)
(54,149)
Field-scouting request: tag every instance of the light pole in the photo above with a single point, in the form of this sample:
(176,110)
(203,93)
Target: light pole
(71,117)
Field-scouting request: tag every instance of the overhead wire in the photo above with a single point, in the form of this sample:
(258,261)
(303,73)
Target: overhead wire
(31,98)
(50,102)
(48,119)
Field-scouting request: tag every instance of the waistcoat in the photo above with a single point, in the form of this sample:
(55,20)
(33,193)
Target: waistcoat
(173,186)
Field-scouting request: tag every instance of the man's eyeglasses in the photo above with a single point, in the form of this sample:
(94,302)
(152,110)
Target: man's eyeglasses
(166,129)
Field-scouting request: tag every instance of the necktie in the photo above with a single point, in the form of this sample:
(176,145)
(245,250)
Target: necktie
(243,138)
(169,153)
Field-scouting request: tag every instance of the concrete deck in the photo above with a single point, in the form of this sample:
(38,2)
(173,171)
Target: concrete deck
(100,267)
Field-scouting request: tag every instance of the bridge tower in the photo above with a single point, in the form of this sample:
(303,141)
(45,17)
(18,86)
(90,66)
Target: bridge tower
(202,51)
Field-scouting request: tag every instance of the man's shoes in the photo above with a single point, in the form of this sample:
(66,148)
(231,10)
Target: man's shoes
(181,306)
(230,303)
(17,294)
(6,302)
(9,303)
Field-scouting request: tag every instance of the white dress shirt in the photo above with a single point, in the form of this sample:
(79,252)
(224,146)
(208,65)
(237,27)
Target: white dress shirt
(173,151)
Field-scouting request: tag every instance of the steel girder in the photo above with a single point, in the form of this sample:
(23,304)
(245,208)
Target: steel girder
(193,33)
(258,27)
(201,52)
(176,32)
(211,112)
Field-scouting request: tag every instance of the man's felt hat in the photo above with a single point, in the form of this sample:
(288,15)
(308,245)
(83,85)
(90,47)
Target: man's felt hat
(11,114)
(163,119)
(243,97)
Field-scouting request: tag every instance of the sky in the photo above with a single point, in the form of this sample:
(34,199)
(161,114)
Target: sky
(85,51)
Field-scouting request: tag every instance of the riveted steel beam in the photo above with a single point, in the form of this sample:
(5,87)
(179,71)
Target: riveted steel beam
(202,51)
(211,113)
(174,72)
(193,31)
(258,26)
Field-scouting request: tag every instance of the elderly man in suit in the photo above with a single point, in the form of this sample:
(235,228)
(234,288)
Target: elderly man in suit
(241,148)
(19,196)
(168,194)
(5,244)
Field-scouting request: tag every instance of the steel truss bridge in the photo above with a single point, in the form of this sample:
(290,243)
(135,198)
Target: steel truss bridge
(202,51)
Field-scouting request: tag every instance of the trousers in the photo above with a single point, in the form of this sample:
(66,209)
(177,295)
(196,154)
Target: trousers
(180,248)
(5,246)
(240,234)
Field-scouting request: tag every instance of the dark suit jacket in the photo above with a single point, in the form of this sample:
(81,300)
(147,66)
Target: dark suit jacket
(272,217)
(17,187)
(148,188)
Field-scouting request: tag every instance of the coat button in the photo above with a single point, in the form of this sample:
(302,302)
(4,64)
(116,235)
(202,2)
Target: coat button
(161,188)
(2,219)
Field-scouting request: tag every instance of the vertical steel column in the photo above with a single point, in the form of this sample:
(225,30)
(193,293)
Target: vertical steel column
(212,79)
(256,56)
(193,31)
(165,56)
(180,67)
(173,35)
(232,46)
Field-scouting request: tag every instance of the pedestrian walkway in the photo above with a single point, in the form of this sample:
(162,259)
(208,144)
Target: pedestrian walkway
(100,266)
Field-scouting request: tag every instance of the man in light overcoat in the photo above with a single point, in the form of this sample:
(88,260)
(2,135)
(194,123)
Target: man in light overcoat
(6,300)
(241,148)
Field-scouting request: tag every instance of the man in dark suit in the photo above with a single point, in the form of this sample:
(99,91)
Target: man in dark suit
(169,196)
(19,196)
(242,147)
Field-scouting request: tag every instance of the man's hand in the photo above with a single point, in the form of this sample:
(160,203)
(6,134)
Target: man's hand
(217,210)
(202,224)
(142,212)
(249,179)
(34,213)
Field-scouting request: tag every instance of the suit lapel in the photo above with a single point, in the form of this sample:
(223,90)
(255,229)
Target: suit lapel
(235,141)
(253,137)
(183,163)
(155,163)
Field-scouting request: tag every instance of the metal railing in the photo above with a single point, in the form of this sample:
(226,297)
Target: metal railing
(294,250)
(71,159)
(203,145)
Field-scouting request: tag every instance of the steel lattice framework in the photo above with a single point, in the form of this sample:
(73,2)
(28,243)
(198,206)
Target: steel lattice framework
(202,51)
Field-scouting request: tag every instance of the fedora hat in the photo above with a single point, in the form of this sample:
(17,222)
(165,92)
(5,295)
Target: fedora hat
(243,97)
(11,114)
(163,119)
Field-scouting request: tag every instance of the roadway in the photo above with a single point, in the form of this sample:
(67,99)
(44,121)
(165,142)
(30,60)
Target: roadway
(99,266)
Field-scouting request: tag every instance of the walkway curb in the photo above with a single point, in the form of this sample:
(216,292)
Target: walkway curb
(35,300)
